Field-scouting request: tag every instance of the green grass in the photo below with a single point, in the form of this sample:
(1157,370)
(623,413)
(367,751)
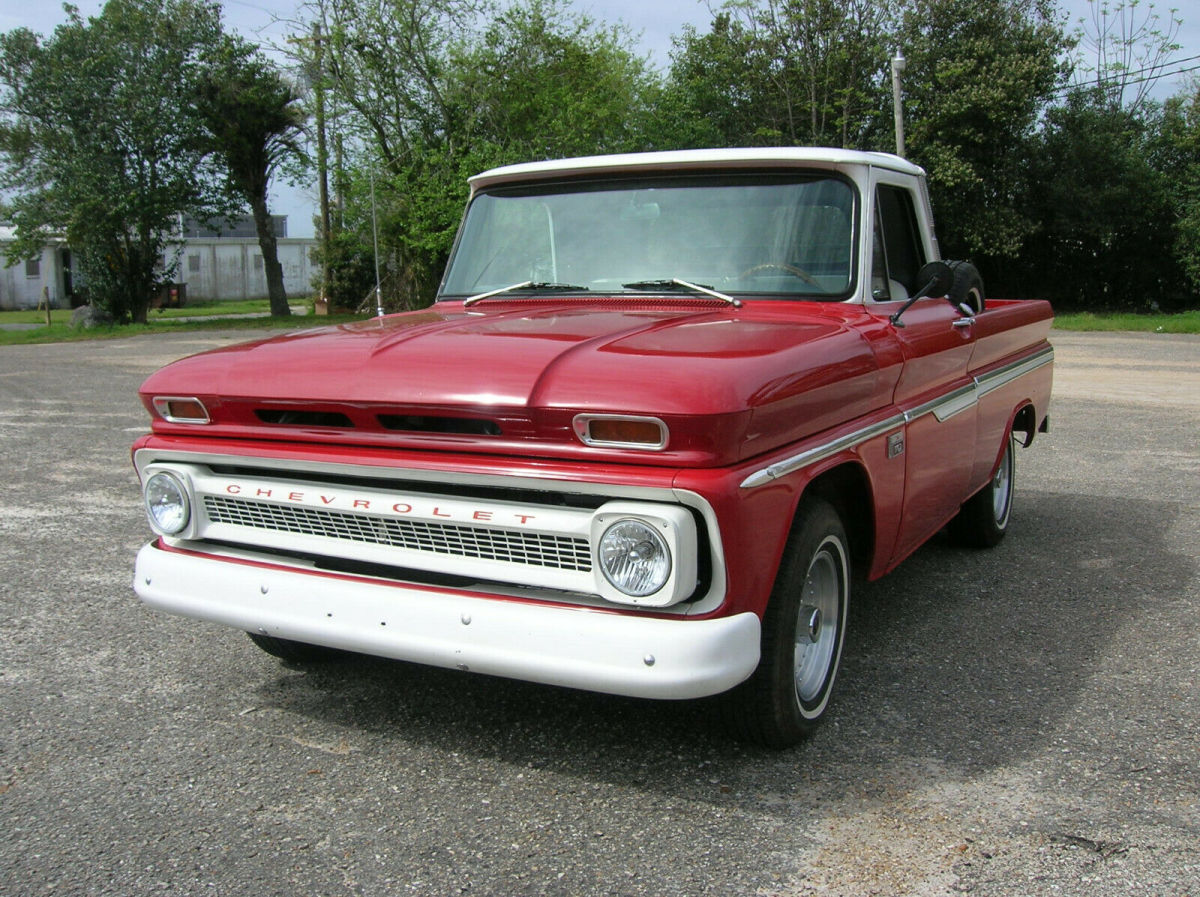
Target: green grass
(232,307)
(194,309)
(1184,322)
(60,331)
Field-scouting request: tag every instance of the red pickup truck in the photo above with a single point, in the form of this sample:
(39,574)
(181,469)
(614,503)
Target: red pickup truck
(665,409)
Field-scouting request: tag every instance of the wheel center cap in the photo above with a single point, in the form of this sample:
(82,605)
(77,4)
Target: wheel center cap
(810,623)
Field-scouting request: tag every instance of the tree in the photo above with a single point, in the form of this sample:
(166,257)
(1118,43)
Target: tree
(1123,50)
(714,94)
(539,83)
(1103,209)
(787,72)
(459,88)
(979,75)
(254,123)
(97,140)
(1109,177)
(1181,163)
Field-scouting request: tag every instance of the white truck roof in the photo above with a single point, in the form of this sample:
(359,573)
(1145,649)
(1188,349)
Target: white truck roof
(684,160)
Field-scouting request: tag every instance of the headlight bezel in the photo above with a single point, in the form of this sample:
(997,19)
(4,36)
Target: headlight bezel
(673,527)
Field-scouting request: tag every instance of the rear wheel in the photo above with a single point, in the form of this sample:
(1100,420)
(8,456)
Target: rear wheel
(292,652)
(804,629)
(983,520)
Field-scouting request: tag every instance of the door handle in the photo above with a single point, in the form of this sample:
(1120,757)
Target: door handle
(962,322)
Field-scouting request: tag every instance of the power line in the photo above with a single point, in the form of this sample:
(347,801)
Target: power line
(1149,73)
(1151,68)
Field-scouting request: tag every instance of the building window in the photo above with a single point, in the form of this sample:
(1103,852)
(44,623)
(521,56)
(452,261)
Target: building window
(33,267)
(193,263)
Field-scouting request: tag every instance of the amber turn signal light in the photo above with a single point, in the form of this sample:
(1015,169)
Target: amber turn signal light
(617,431)
(181,410)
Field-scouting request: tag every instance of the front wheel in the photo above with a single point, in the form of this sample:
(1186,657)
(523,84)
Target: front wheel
(804,628)
(983,520)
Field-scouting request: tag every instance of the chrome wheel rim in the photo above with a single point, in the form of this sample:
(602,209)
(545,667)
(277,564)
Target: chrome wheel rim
(1002,487)
(818,624)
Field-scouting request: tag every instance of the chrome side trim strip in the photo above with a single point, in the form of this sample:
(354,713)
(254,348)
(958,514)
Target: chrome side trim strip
(942,408)
(993,380)
(946,406)
(820,452)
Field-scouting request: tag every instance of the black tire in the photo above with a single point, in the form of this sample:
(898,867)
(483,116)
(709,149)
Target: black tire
(803,632)
(966,289)
(293,652)
(983,520)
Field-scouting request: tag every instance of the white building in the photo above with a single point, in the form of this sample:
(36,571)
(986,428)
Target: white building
(232,267)
(213,267)
(21,285)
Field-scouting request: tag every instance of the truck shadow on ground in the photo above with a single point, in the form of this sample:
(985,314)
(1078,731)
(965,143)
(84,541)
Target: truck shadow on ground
(959,658)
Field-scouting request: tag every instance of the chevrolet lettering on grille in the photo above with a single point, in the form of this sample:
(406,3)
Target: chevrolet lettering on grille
(375,504)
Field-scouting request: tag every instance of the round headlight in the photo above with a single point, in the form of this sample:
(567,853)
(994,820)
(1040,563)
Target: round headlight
(167,502)
(634,558)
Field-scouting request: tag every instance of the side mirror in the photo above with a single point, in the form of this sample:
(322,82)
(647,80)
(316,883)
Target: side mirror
(936,278)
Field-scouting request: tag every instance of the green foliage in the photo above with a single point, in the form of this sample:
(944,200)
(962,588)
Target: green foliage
(979,74)
(97,140)
(538,83)
(783,72)
(1181,152)
(461,87)
(350,267)
(1102,207)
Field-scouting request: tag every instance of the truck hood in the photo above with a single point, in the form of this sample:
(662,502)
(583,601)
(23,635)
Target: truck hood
(750,373)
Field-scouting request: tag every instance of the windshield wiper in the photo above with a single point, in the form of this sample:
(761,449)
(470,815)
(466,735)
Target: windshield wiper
(532,285)
(675,282)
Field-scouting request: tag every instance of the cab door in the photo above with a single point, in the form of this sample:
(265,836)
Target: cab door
(934,389)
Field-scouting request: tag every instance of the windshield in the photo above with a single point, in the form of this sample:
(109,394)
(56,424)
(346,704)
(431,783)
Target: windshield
(761,235)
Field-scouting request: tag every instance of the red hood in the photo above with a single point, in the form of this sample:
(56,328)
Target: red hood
(672,358)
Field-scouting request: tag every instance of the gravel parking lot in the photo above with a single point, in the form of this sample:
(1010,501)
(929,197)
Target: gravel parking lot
(1022,721)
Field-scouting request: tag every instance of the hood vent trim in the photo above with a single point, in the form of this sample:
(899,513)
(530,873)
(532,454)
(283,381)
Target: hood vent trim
(456,426)
(299,418)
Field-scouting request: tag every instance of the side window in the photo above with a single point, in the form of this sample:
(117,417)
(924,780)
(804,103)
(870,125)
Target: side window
(898,254)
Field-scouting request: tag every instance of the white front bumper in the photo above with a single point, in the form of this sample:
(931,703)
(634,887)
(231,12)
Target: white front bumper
(616,653)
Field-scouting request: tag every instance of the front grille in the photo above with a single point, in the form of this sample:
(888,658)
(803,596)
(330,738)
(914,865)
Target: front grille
(454,540)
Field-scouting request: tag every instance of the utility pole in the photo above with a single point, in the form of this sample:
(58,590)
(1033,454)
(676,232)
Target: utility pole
(339,182)
(322,157)
(898,63)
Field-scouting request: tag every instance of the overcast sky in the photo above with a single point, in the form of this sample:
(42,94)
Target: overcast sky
(652,23)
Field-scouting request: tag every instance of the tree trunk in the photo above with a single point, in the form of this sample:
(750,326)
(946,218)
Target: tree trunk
(270,255)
